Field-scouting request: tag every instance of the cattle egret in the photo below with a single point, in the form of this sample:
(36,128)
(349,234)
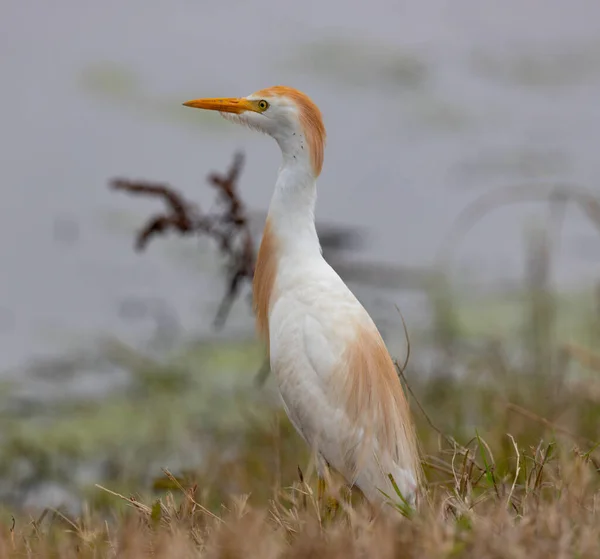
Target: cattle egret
(337,381)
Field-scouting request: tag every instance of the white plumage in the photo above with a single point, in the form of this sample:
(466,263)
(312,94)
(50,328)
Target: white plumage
(337,381)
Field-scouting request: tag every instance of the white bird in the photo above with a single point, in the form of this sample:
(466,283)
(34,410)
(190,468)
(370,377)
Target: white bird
(337,381)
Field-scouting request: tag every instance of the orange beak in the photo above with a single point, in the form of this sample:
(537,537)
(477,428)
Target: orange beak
(228,105)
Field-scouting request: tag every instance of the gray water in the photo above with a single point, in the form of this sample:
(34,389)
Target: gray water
(427,105)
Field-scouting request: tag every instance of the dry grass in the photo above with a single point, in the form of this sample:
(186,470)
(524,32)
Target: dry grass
(519,485)
(547,506)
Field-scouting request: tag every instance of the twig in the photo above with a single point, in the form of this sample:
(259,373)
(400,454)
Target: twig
(517,472)
(450,440)
(407,340)
(136,504)
(401,370)
(189,496)
(229,228)
(12,532)
(66,519)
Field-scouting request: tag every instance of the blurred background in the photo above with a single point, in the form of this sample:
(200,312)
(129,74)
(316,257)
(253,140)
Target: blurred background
(110,365)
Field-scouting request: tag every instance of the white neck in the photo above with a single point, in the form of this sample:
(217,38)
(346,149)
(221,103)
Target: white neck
(292,209)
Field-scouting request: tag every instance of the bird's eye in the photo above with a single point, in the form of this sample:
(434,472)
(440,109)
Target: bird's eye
(263,105)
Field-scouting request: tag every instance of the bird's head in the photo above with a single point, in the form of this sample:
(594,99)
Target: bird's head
(286,114)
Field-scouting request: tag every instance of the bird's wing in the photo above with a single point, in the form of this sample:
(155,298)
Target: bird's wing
(367,414)
(324,347)
(304,349)
(339,384)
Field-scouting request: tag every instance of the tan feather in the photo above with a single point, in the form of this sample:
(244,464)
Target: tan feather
(373,397)
(263,283)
